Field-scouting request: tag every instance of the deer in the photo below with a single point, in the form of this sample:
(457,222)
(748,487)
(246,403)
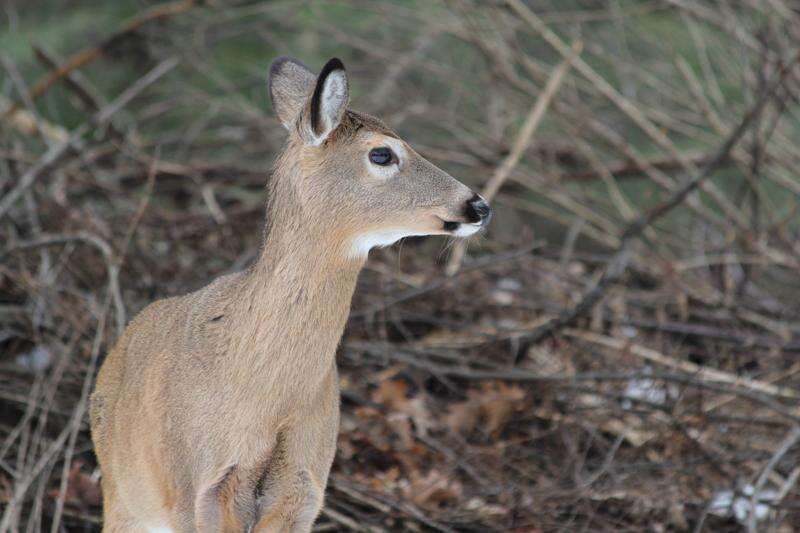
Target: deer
(218,410)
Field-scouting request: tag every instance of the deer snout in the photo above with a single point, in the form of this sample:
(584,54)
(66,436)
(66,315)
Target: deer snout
(476,214)
(478,211)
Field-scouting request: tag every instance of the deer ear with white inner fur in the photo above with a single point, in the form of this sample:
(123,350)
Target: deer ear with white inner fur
(290,86)
(328,102)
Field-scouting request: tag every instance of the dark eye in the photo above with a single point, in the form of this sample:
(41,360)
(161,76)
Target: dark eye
(381,156)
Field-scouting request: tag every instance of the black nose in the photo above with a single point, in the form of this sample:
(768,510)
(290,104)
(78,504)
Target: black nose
(478,210)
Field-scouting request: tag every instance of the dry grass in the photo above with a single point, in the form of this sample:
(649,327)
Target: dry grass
(620,352)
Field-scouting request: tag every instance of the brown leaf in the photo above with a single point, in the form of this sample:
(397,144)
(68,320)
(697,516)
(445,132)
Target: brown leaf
(462,417)
(434,488)
(83,490)
(492,406)
(394,395)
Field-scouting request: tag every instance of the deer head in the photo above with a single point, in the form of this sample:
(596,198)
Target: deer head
(354,179)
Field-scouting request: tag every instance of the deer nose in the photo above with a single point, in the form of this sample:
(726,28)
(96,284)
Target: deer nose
(478,211)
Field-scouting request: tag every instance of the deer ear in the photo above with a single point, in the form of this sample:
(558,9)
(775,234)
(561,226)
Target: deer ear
(328,101)
(290,84)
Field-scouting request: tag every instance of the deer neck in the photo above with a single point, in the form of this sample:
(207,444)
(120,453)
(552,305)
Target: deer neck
(297,296)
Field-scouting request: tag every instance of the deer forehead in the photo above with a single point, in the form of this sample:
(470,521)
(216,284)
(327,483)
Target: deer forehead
(354,152)
(375,140)
(365,140)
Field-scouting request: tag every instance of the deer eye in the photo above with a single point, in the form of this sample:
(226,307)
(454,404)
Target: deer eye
(382,156)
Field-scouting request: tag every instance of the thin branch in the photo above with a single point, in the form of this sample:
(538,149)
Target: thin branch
(706,381)
(618,264)
(685,366)
(626,106)
(112,266)
(51,158)
(22,485)
(87,55)
(791,439)
(131,92)
(521,144)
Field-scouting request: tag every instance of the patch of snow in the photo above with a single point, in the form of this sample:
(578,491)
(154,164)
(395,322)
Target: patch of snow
(504,291)
(645,389)
(503,298)
(509,284)
(36,360)
(726,503)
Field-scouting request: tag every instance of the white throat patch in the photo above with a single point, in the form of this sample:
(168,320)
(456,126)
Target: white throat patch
(466,229)
(378,239)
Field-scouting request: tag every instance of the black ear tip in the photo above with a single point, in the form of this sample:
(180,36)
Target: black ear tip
(333,64)
(336,63)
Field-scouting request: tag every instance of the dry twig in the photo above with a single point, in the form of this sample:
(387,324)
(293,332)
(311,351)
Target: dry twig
(618,265)
(521,144)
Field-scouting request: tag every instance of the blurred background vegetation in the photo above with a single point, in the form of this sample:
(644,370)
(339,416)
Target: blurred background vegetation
(135,140)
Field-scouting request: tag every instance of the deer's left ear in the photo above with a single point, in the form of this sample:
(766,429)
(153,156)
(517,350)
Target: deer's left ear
(328,102)
(290,84)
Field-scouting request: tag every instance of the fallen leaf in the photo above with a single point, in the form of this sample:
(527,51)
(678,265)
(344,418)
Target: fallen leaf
(83,490)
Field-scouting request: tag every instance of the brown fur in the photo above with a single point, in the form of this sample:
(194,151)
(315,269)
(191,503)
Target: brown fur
(219,410)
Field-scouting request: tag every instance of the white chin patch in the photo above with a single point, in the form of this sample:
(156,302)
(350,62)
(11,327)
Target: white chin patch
(465,230)
(378,239)
(386,237)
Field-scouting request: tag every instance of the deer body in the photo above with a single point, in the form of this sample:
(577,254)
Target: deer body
(219,410)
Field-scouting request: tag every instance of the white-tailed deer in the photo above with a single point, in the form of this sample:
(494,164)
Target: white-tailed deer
(219,410)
